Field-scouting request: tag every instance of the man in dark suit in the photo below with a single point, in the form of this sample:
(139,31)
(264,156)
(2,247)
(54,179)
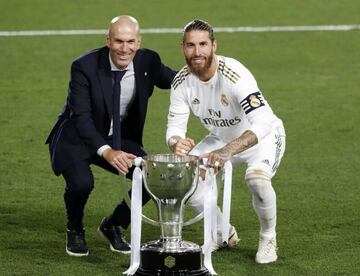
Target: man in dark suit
(117,79)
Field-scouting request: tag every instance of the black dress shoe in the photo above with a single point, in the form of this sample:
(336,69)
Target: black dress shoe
(75,243)
(114,237)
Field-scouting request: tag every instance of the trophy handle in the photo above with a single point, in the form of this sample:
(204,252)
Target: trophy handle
(150,221)
(194,219)
(124,191)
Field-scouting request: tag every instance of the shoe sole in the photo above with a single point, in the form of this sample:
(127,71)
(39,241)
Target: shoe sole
(111,247)
(266,261)
(70,253)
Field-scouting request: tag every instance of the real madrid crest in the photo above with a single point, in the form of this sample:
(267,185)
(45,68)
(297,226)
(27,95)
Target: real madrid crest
(224,100)
(254,101)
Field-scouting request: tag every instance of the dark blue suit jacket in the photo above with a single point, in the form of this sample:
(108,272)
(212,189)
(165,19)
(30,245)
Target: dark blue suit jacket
(84,122)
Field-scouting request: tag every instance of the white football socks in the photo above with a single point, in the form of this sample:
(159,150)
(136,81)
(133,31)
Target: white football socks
(264,202)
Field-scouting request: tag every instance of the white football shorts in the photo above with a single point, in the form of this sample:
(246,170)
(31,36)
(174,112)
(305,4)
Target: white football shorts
(265,155)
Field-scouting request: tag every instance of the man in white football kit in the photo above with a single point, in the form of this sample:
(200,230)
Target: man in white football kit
(225,97)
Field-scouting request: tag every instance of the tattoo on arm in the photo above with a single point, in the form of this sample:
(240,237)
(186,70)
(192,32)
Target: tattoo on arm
(243,142)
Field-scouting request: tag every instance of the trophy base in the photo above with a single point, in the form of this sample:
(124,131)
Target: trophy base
(156,261)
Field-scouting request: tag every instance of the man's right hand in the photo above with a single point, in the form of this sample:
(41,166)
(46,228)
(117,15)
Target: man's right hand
(120,160)
(183,146)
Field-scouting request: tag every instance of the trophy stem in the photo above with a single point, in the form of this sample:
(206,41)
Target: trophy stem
(171,222)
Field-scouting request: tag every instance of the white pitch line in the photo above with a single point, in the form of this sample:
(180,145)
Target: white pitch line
(176,30)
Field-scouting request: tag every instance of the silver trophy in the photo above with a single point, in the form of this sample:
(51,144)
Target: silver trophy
(170,180)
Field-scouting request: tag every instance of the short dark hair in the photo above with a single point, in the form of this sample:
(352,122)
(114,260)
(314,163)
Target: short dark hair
(200,25)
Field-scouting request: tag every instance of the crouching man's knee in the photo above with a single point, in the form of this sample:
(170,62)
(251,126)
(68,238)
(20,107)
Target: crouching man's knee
(259,182)
(196,201)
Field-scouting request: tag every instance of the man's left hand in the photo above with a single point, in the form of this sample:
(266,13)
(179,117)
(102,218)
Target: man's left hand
(120,160)
(217,158)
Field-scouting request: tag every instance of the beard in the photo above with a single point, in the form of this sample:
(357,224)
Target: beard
(201,71)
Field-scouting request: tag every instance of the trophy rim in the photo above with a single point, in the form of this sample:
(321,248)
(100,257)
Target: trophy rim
(170,158)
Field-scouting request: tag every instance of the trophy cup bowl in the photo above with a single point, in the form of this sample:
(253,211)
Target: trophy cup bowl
(170,180)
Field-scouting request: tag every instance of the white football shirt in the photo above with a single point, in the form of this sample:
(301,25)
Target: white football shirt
(227,104)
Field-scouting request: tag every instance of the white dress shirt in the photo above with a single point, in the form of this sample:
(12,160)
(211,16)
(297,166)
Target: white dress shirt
(126,97)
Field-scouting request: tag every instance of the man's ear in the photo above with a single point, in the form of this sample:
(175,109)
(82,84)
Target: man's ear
(214,45)
(139,41)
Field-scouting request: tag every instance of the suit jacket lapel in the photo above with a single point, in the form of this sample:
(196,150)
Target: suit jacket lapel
(140,76)
(105,77)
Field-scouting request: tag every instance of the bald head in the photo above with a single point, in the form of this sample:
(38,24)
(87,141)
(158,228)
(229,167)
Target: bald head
(126,23)
(123,40)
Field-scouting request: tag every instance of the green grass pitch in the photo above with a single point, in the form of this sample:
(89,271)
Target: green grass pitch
(311,79)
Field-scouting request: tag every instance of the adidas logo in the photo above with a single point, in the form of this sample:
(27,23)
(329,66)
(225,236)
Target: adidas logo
(196,101)
(266,162)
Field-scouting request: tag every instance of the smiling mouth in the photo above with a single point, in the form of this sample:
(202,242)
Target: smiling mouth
(122,56)
(198,60)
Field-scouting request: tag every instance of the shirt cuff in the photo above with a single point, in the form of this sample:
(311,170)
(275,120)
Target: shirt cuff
(101,150)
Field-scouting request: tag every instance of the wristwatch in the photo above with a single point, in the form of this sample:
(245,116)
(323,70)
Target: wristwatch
(172,141)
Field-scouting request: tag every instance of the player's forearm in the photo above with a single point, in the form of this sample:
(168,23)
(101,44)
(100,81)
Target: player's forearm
(177,125)
(245,141)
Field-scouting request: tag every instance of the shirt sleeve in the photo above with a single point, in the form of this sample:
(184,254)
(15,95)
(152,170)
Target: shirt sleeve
(256,109)
(178,116)
(101,150)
